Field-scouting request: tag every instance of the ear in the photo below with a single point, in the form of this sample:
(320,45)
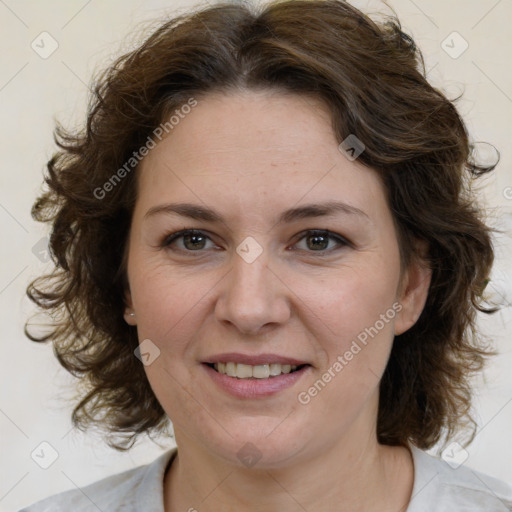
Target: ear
(413,292)
(129,313)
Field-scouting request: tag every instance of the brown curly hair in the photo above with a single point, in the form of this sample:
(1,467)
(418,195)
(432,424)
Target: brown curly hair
(372,77)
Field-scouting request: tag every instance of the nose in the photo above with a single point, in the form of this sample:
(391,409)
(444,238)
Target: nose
(253,297)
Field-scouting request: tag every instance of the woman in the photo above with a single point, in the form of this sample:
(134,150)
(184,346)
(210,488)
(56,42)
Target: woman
(266,235)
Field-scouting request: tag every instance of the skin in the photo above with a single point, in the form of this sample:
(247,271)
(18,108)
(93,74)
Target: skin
(250,155)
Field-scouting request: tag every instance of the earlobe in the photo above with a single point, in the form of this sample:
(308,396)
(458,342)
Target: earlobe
(129,317)
(413,295)
(129,313)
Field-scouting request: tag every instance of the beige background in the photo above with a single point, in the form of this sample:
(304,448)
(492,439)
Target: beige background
(34,91)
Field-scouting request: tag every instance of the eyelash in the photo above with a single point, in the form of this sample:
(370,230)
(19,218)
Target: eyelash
(169,239)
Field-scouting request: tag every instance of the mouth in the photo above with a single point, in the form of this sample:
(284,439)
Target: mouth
(259,381)
(254,372)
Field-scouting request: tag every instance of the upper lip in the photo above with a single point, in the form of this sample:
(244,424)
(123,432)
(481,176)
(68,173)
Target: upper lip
(235,357)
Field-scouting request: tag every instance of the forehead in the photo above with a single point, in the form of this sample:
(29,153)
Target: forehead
(265,122)
(265,143)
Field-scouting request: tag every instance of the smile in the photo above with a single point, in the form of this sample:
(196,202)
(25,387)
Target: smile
(260,371)
(253,382)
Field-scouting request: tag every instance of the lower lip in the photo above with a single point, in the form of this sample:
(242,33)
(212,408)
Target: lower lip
(255,388)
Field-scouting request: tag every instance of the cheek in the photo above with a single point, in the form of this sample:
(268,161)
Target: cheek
(354,318)
(169,308)
(167,302)
(353,300)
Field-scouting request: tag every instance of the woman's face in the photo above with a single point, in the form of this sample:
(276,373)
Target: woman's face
(260,283)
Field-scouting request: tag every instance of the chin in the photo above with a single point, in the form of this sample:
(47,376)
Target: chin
(261,449)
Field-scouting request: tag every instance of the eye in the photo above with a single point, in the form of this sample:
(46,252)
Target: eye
(317,240)
(193,240)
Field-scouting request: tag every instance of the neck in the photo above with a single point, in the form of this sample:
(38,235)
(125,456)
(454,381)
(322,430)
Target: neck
(346,477)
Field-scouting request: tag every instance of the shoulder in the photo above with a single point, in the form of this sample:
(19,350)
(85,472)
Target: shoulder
(139,488)
(440,487)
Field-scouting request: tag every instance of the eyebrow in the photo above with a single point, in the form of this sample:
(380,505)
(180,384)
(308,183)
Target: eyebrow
(196,212)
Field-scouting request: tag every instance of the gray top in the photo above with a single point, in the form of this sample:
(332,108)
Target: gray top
(437,488)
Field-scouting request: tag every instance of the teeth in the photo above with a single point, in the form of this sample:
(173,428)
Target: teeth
(275,369)
(247,371)
(231,369)
(243,371)
(261,371)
